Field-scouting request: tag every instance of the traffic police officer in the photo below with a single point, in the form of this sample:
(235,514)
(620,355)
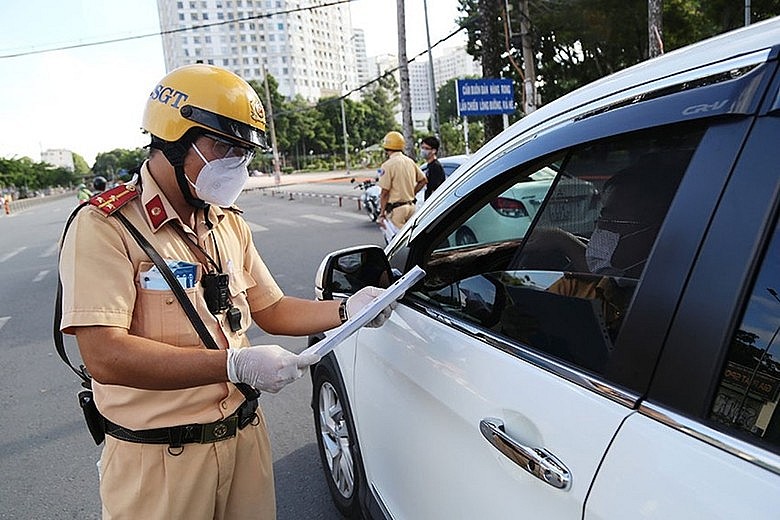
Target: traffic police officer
(152,376)
(400,180)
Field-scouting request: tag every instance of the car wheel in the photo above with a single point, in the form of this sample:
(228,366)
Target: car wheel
(465,236)
(336,441)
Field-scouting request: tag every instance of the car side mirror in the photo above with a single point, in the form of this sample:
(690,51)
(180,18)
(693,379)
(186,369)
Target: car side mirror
(343,273)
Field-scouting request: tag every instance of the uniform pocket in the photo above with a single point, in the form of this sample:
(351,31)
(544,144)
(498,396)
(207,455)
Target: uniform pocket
(159,316)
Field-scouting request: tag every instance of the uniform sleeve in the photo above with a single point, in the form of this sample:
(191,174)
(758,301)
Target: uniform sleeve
(385,182)
(419,175)
(98,286)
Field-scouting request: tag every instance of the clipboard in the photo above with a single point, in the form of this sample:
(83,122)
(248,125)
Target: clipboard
(335,336)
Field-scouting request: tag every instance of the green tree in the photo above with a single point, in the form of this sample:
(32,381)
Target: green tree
(24,176)
(111,164)
(379,101)
(603,37)
(80,166)
(453,139)
(484,21)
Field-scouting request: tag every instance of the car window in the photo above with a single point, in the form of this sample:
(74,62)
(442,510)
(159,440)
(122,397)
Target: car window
(746,399)
(549,256)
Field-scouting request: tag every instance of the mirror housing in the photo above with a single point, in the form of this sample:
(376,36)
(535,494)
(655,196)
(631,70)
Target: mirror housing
(344,272)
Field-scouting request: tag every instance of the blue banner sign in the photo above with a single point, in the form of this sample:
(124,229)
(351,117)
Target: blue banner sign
(485,97)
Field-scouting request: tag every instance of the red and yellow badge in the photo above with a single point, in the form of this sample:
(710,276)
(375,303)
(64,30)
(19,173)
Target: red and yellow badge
(113,199)
(156,211)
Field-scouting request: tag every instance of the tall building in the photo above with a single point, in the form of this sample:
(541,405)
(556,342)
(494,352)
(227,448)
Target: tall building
(310,52)
(361,59)
(59,157)
(420,92)
(453,63)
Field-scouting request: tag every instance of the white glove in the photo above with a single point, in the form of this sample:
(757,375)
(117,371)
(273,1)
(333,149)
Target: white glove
(365,296)
(266,367)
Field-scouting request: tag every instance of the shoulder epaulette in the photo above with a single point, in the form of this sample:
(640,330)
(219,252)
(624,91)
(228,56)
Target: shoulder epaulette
(111,200)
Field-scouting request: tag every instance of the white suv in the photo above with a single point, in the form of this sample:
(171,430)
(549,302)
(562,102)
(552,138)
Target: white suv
(613,366)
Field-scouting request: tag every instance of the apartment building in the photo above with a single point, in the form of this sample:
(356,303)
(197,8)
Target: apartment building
(310,50)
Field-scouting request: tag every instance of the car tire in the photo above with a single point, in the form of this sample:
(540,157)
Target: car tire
(336,440)
(465,236)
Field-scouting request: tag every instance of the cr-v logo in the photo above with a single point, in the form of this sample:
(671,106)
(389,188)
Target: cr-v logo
(697,109)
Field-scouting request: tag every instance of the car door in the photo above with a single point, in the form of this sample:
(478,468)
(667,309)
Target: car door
(488,393)
(496,389)
(712,406)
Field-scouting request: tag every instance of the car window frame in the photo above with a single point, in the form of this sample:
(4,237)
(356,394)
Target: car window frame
(744,231)
(643,115)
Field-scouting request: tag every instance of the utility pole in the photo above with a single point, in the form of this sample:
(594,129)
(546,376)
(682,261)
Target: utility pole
(269,116)
(403,73)
(529,70)
(432,80)
(655,32)
(344,133)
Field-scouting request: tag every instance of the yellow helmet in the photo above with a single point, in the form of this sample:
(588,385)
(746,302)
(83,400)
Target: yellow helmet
(207,97)
(393,141)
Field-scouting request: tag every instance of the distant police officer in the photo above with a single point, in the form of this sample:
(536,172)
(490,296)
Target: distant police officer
(178,444)
(82,193)
(400,180)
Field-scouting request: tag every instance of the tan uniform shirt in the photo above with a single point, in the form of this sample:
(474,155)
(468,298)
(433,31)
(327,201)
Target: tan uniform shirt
(399,177)
(100,266)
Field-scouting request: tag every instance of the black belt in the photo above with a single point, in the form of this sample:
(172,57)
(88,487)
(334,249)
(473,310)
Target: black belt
(392,205)
(175,436)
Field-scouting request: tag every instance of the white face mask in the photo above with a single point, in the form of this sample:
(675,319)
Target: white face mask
(601,247)
(425,153)
(220,181)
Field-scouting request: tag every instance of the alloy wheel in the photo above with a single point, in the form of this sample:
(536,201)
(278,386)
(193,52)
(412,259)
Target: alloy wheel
(335,440)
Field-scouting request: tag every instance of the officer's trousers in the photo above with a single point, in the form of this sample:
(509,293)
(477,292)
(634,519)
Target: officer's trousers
(401,214)
(230,479)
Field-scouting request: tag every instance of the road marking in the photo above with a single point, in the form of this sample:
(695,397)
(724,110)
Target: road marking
(356,216)
(52,249)
(319,218)
(11,254)
(256,228)
(40,276)
(3,321)
(284,221)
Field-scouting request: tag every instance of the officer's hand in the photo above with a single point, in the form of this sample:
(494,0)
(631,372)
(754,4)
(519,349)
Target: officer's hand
(266,367)
(363,297)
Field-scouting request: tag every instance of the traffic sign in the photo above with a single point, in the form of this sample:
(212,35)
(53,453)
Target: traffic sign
(484,97)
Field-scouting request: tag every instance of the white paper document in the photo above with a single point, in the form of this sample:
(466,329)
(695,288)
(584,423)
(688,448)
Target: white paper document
(368,313)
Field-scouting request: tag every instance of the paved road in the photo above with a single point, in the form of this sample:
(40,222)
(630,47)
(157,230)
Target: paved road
(46,456)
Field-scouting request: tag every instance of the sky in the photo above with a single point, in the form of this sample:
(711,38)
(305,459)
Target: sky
(90,99)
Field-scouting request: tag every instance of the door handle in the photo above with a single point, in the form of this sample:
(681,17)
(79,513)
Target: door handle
(537,461)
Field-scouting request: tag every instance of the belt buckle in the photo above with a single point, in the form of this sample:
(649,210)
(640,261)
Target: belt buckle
(220,430)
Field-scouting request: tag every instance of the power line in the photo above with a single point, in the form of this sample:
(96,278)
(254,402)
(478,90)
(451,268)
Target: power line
(174,31)
(371,82)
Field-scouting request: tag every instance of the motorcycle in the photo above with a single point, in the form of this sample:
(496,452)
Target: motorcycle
(369,199)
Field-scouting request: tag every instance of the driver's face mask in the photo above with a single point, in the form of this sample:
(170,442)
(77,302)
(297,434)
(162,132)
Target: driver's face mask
(602,246)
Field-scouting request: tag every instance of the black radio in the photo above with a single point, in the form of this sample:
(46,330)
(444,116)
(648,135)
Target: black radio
(216,291)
